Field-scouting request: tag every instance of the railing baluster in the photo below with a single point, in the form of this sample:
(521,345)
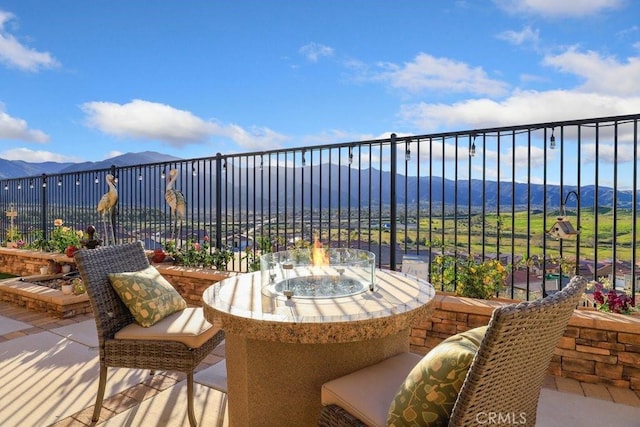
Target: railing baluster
(296,196)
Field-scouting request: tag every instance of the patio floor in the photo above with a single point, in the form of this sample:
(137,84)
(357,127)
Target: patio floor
(49,371)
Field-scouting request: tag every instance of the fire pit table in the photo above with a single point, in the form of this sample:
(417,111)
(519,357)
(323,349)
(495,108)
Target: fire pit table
(300,322)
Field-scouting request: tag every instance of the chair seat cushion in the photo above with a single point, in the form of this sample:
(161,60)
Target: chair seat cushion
(367,393)
(187,326)
(148,295)
(430,390)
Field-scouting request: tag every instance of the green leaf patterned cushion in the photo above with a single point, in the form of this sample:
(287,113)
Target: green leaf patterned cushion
(148,295)
(427,396)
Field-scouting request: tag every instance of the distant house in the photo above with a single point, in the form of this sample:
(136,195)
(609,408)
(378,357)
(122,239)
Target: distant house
(621,276)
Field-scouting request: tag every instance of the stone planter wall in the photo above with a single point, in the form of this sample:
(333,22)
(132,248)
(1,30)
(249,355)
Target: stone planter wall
(599,348)
(190,282)
(25,263)
(21,262)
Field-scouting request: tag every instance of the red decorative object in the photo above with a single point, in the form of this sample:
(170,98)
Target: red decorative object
(158,255)
(71,251)
(54,267)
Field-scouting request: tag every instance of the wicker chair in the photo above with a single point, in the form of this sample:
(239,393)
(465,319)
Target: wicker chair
(506,374)
(112,315)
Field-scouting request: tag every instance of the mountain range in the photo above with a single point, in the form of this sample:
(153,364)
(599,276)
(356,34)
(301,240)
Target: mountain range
(18,168)
(354,187)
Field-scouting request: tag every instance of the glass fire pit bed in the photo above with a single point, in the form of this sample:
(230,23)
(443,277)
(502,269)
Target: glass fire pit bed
(346,287)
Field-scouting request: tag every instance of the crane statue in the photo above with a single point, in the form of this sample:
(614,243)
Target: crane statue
(105,208)
(177,203)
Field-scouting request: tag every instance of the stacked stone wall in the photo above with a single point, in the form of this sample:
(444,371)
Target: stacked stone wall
(597,348)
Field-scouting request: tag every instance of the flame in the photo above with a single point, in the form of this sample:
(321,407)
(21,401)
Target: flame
(319,257)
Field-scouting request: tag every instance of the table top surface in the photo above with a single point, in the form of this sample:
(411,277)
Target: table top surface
(245,296)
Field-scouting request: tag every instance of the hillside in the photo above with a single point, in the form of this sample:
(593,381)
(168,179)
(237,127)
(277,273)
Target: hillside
(19,169)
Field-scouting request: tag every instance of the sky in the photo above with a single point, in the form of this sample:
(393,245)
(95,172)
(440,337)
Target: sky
(87,81)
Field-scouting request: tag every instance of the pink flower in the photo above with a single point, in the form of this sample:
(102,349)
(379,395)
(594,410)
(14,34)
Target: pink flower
(196,246)
(598,296)
(610,300)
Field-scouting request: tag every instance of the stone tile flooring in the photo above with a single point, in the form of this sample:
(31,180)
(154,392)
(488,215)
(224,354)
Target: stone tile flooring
(112,405)
(619,395)
(155,384)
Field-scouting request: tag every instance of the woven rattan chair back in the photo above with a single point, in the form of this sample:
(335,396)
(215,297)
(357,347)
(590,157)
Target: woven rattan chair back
(507,373)
(94,265)
(505,378)
(111,315)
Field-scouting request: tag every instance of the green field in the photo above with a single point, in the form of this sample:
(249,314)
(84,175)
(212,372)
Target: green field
(522,231)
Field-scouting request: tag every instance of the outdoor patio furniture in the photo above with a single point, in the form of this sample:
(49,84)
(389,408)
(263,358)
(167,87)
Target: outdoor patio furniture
(178,342)
(503,380)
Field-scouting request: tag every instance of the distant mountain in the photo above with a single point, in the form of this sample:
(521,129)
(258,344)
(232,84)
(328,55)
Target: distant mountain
(19,169)
(330,185)
(352,188)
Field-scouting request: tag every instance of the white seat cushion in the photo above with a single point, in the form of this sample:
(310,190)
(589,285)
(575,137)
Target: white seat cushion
(187,326)
(368,393)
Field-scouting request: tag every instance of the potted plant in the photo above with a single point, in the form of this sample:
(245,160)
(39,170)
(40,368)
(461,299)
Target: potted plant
(252,254)
(13,237)
(71,250)
(54,267)
(66,288)
(608,299)
(221,258)
(158,255)
(78,286)
(468,277)
(39,242)
(195,254)
(64,239)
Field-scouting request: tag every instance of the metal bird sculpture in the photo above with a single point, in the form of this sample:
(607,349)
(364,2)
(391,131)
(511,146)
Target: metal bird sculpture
(175,200)
(105,207)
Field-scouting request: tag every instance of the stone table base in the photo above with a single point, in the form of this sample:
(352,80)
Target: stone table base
(278,384)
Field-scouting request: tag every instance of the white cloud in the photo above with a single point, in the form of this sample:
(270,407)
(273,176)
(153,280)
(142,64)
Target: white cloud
(17,129)
(522,158)
(15,54)
(526,35)
(427,72)
(148,120)
(601,74)
(335,135)
(558,8)
(112,154)
(37,156)
(144,120)
(607,153)
(257,138)
(531,78)
(313,51)
(520,107)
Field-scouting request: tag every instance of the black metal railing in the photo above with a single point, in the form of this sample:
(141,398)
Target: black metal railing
(501,193)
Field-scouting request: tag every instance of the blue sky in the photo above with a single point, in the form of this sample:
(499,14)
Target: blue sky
(84,81)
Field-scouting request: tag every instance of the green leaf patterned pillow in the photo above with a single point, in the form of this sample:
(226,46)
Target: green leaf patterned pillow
(148,295)
(427,396)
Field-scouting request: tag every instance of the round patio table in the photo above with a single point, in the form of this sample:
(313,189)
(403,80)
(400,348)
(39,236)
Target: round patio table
(279,351)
